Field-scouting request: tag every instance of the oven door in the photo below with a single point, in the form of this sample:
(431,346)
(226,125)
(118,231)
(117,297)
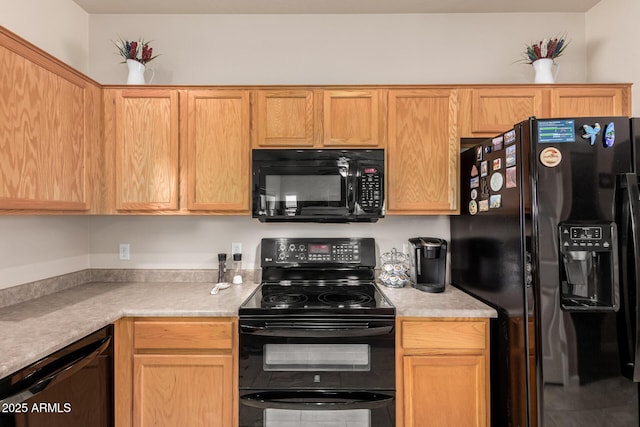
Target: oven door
(316,408)
(311,354)
(302,189)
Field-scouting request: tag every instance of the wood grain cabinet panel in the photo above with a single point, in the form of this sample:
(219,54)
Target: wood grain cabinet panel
(588,101)
(445,390)
(189,390)
(442,372)
(351,118)
(176,372)
(46,125)
(423,151)
(285,118)
(496,110)
(218,150)
(146,145)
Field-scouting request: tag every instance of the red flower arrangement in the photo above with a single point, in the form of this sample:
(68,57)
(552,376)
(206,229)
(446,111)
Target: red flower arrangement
(137,50)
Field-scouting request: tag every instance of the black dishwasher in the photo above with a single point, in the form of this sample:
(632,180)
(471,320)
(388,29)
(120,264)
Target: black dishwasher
(72,387)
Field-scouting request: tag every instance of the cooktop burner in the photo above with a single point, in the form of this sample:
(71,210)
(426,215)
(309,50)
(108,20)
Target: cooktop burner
(314,298)
(317,277)
(278,295)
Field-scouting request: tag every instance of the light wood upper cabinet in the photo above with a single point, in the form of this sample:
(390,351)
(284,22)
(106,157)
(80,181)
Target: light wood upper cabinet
(442,372)
(486,111)
(351,118)
(423,151)
(146,149)
(489,111)
(285,118)
(218,150)
(49,124)
(591,101)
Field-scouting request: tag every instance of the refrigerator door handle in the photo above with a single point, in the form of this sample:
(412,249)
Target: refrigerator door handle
(631,217)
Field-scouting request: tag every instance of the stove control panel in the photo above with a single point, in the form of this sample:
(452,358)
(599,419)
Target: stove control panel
(317,251)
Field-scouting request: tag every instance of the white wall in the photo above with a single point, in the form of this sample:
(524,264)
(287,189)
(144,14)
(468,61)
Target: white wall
(336,49)
(60,27)
(613,52)
(194,242)
(34,248)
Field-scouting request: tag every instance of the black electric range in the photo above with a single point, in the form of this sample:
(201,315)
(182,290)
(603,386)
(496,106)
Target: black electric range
(317,277)
(317,337)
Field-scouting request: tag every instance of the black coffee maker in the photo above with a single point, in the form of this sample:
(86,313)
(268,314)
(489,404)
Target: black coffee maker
(428,263)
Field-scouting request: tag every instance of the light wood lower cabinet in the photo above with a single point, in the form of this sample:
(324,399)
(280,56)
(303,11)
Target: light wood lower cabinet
(442,372)
(176,371)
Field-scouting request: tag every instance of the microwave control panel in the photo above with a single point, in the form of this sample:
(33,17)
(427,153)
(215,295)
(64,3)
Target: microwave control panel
(317,251)
(371,185)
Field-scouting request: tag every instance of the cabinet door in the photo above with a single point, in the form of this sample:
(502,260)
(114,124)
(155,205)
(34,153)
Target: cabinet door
(588,101)
(495,110)
(351,118)
(285,118)
(146,149)
(444,391)
(218,150)
(423,152)
(189,390)
(45,124)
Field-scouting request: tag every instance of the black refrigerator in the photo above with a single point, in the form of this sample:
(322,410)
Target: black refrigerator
(548,236)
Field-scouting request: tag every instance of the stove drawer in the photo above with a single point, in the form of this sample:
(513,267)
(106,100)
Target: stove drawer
(183,334)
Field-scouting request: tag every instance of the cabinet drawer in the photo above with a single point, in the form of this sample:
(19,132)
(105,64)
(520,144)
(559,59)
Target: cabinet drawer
(183,335)
(443,335)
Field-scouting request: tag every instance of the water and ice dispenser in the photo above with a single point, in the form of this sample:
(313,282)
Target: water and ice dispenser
(588,267)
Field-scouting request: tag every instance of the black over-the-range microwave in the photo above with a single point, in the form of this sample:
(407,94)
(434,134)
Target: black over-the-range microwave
(328,185)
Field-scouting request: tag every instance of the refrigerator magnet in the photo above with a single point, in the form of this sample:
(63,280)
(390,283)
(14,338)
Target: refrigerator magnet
(473,207)
(511,177)
(475,182)
(610,135)
(496,182)
(497,143)
(479,153)
(474,194)
(495,201)
(497,164)
(550,157)
(591,132)
(484,168)
(510,156)
(474,171)
(510,137)
(483,205)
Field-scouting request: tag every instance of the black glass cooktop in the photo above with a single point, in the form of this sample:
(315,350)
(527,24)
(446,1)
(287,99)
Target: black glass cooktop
(313,298)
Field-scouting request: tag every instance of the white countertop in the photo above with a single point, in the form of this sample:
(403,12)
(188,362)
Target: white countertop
(36,328)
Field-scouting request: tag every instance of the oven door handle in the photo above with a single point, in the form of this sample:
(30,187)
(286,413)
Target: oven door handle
(316,401)
(315,333)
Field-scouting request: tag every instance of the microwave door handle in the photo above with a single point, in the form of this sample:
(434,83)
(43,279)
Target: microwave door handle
(631,307)
(315,401)
(316,333)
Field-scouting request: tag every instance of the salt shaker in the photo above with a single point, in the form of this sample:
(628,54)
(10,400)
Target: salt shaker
(237,269)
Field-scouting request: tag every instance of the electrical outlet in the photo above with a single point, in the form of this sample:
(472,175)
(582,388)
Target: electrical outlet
(236,248)
(124,251)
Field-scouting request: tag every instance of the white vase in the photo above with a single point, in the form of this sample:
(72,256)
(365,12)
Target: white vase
(136,73)
(543,69)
